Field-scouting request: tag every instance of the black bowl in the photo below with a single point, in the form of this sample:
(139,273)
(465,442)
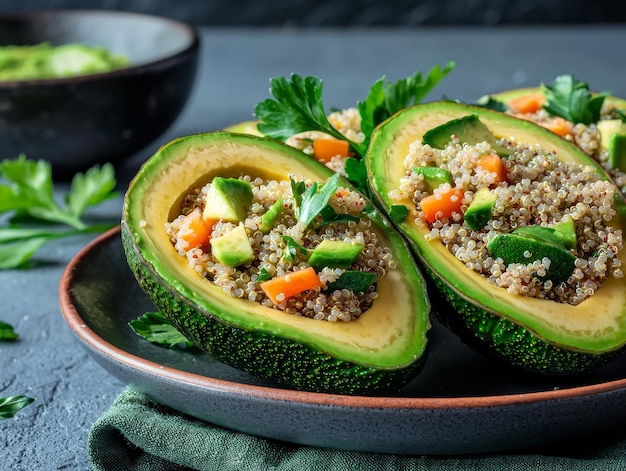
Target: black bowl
(77,122)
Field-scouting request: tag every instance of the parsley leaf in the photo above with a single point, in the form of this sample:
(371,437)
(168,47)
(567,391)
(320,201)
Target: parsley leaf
(309,203)
(356,173)
(297,107)
(292,248)
(7,332)
(155,328)
(263,275)
(9,406)
(571,99)
(91,188)
(28,195)
(398,213)
(385,99)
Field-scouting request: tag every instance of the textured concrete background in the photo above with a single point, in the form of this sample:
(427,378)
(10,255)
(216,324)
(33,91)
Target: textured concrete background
(312,13)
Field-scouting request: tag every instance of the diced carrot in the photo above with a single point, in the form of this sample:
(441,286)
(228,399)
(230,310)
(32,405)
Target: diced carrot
(494,163)
(325,149)
(527,103)
(285,286)
(439,205)
(559,126)
(194,230)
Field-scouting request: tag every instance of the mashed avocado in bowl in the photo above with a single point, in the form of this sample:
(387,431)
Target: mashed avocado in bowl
(47,61)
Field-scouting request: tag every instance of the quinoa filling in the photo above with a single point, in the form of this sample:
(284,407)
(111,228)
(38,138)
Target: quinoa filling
(585,136)
(283,249)
(530,189)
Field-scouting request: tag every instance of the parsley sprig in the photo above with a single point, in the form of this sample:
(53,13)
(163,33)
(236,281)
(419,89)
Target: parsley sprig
(298,107)
(387,98)
(309,202)
(572,100)
(9,406)
(36,217)
(155,328)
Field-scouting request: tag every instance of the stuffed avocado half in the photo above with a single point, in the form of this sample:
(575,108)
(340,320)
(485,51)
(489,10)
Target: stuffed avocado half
(594,121)
(512,248)
(220,292)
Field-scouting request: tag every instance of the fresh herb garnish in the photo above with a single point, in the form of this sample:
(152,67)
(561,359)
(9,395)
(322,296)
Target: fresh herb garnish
(492,103)
(155,328)
(309,202)
(571,99)
(398,213)
(357,175)
(7,332)
(387,98)
(297,107)
(29,197)
(263,275)
(9,406)
(292,248)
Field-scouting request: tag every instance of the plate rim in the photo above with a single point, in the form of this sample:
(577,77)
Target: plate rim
(90,337)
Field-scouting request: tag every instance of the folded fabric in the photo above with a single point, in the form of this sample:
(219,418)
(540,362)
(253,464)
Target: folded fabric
(136,434)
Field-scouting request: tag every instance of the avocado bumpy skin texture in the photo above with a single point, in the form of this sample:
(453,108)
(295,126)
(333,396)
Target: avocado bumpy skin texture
(260,354)
(505,341)
(535,335)
(377,353)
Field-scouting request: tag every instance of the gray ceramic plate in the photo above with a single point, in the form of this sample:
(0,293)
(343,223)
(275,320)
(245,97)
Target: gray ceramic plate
(461,403)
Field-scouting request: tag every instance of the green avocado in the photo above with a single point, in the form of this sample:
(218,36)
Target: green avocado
(613,139)
(528,246)
(227,199)
(566,232)
(479,211)
(269,217)
(377,353)
(434,177)
(536,335)
(467,129)
(334,254)
(233,248)
(608,127)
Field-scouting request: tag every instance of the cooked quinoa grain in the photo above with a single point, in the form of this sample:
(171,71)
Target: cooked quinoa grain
(539,190)
(274,257)
(587,137)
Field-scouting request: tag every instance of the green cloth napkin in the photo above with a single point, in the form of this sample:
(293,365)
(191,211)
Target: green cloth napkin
(136,434)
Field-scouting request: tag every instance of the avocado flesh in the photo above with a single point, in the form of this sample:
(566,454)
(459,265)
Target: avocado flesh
(335,254)
(379,352)
(245,127)
(468,129)
(478,212)
(537,335)
(233,248)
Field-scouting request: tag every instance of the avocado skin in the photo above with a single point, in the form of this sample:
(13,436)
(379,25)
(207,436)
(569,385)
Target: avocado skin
(496,337)
(251,351)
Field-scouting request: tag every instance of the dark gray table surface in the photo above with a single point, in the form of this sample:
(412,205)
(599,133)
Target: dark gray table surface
(47,362)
